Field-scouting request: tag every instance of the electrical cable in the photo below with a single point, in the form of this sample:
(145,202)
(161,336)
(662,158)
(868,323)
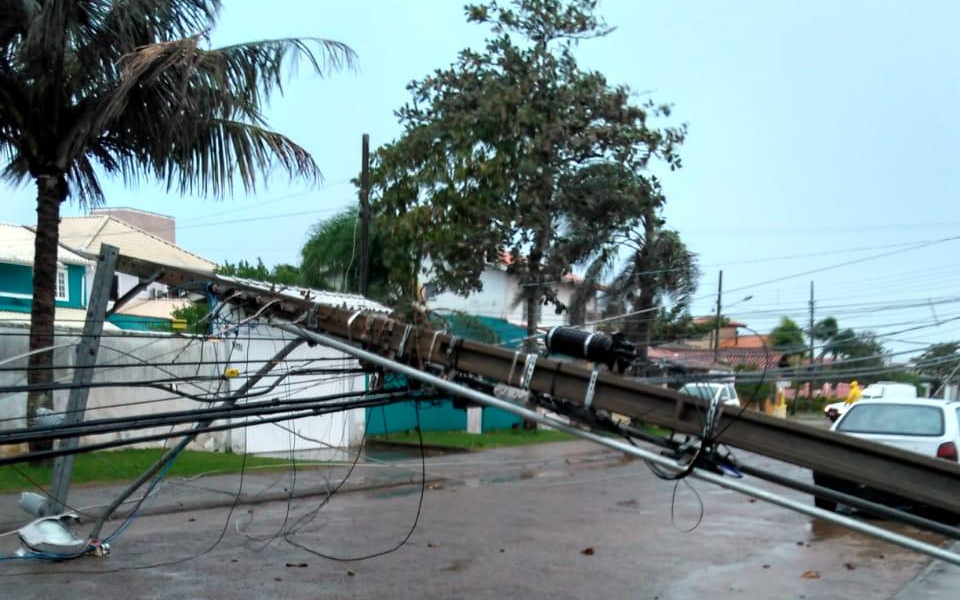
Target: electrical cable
(413,527)
(114,424)
(154,437)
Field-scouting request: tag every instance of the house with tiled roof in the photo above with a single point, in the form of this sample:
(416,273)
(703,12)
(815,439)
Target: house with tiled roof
(16,280)
(699,359)
(152,307)
(80,240)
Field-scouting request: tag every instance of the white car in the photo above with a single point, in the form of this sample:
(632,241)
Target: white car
(923,425)
(881,389)
(726,392)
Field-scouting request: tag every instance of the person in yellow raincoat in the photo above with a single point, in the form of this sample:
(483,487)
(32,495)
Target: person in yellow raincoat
(854,394)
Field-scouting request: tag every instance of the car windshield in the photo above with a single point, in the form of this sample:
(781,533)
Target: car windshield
(893,419)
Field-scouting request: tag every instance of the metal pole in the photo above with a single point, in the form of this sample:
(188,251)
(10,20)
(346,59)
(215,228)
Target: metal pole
(490,401)
(365,216)
(810,382)
(174,451)
(716,325)
(83,369)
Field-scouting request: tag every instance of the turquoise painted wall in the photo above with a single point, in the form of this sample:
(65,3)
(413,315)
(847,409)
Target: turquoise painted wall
(435,416)
(135,323)
(441,415)
(77,293)
(18,279)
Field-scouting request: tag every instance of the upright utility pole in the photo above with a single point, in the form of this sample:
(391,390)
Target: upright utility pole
(716,325)
(83,368)
(365,216)
(811,325)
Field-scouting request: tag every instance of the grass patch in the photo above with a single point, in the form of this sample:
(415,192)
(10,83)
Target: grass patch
(472,441)
(125,465)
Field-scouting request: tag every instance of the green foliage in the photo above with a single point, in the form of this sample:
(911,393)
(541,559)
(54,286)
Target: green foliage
(195,315)
(132,89)
(753,393)
(940,362)
(826,329)
(281,273)
(127,464)
(466,326)
(471,441)
(863,349)
(99,87)
(787,337)
(286,274)
(503,152)
(331,258)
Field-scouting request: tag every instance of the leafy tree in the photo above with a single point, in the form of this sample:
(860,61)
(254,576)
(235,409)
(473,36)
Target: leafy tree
(676,323)
(863,347)
(941,362)
(195,316)
(787,337)
(466,326)
(493,158)
(286,274)
(331,257)
(94,87)
(281,273)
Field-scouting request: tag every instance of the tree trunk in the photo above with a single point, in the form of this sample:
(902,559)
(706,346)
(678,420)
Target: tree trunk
(647,297)
(532,310)
(51,192)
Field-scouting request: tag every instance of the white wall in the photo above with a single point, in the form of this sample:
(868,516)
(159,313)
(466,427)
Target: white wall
(133,357)
(497,299)
(124,357)
(335,430)
(125,283)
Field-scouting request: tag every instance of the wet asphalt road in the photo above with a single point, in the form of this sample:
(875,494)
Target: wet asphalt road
(553,521)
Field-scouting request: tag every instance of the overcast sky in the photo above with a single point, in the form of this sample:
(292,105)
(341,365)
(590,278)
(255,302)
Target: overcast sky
(815,128)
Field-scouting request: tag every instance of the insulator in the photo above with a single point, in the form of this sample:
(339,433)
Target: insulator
(595,347)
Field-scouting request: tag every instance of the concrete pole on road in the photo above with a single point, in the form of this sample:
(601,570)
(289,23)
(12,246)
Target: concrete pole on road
(365,216)
(83,369)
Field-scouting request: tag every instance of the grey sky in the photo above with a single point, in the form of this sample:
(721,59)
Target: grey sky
(815,127)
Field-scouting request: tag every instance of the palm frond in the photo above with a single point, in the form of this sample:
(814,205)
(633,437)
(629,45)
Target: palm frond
(586,291)
(193,117)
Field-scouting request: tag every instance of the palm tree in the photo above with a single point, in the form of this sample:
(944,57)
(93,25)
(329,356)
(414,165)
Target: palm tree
(826,331)
(660,269)
(330,258)
(132,88)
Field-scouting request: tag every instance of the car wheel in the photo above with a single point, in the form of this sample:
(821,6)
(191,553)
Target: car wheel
(825,504)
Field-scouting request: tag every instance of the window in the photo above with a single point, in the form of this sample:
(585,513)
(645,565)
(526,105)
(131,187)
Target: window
(893,419)
(63,291)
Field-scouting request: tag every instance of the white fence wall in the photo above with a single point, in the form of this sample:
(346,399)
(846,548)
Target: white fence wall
(135,357)
(124,357)
(321,432)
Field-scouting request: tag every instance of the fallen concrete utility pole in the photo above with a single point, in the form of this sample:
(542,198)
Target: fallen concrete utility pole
(492,402)
(172,453)
(934,482)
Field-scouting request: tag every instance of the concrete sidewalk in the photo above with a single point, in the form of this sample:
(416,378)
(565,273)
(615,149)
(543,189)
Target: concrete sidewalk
(376,468)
